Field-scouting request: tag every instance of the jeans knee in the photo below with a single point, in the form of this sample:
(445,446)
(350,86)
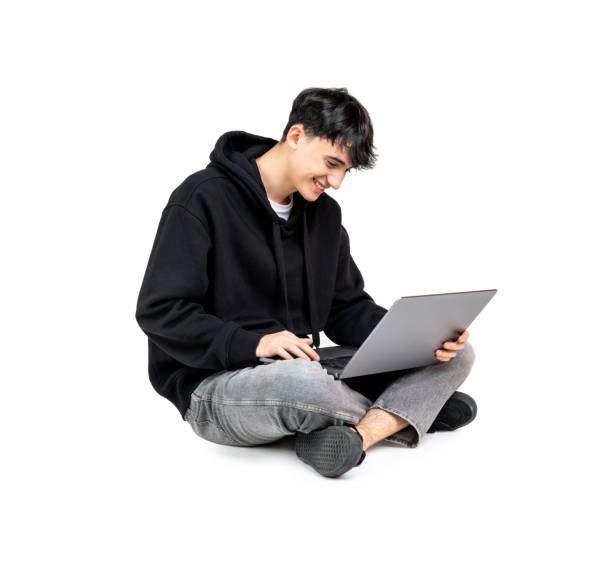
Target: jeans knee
(312,376)
(467,354)
(314,385)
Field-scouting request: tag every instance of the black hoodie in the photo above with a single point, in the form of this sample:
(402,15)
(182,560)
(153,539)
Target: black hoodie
(216,280)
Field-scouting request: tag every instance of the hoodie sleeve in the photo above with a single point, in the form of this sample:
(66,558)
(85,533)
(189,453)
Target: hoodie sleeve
(170,304)
(353,314)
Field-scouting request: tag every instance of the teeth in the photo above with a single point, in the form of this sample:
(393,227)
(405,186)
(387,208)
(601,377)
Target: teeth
(318,184)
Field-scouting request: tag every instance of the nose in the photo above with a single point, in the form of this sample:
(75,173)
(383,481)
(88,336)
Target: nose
(335,179)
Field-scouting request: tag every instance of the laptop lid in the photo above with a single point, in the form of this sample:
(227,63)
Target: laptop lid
(413,328)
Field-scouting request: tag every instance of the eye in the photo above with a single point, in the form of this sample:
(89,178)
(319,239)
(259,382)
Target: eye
(332,165)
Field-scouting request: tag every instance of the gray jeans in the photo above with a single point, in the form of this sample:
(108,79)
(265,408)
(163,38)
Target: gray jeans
(261,404)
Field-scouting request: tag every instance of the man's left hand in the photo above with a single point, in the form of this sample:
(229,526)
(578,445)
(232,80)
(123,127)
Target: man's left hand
(450,348)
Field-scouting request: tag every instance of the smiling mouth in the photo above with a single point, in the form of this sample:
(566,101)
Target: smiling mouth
(318,186)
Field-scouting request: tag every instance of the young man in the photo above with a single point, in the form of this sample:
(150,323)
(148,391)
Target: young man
(250,258)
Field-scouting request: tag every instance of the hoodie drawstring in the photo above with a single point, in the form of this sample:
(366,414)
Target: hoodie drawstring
(316,341)
(280,259)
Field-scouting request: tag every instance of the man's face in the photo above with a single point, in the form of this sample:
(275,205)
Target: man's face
(316,162)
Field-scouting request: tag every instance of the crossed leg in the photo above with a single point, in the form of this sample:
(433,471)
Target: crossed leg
(262,404)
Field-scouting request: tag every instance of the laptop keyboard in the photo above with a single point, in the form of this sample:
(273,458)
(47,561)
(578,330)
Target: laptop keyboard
(336,363)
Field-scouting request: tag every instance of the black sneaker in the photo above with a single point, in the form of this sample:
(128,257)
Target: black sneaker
(331,451)
(457,412)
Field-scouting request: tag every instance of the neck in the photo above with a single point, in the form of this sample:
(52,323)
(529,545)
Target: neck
(272,170)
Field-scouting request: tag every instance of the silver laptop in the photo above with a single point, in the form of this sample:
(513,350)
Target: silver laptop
(408,335)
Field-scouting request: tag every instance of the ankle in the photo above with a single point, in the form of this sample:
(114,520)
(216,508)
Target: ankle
(367,440)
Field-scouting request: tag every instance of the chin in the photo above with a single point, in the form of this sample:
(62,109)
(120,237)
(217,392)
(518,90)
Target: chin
(311,195)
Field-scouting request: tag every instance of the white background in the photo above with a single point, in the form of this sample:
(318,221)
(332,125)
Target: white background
(492,123)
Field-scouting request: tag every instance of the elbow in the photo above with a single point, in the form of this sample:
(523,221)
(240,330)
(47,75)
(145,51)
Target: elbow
(142,314)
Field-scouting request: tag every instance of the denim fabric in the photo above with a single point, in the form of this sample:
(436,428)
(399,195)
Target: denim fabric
(261,404)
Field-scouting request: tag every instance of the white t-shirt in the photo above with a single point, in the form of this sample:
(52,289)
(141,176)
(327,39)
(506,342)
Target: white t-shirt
(282,210)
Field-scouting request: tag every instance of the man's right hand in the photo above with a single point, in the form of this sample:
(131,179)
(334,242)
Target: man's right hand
(285,344)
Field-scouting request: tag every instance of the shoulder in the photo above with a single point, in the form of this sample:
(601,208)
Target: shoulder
(200,189)
(199,182)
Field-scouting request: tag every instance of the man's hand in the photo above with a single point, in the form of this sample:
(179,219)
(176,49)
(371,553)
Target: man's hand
(447,355)
(283,343)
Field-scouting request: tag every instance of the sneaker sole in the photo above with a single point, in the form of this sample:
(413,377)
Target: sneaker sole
(331,451)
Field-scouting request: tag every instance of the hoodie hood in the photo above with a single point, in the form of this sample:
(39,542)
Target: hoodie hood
(234,154)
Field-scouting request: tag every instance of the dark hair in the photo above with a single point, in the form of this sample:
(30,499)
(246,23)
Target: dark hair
(334,115)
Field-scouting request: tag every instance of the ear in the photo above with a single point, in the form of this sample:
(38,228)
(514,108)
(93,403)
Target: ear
(295,133)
